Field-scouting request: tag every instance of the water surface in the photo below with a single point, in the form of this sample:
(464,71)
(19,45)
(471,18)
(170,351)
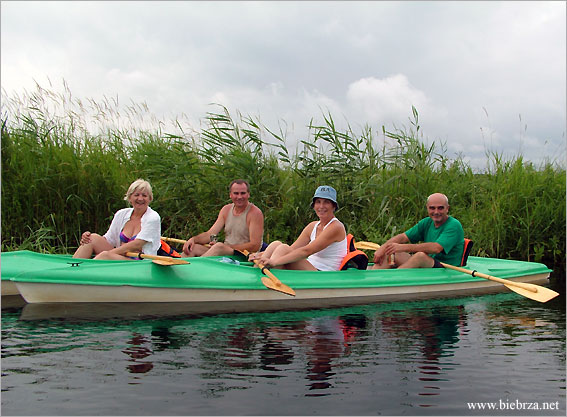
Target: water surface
(434,357)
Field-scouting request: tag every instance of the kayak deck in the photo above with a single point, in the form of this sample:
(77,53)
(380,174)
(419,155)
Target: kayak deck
(60,278)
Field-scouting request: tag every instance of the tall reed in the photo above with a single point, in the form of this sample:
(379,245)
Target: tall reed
(65,171)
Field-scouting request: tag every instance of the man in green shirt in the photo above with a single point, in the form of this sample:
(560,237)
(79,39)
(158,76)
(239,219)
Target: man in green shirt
(441,237)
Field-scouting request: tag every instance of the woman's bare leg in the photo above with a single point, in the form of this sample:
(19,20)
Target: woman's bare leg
(272,247)
(107,255)
(96,245)
(302,264)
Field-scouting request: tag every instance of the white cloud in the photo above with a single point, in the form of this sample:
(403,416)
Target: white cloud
(365,62)
(386,101)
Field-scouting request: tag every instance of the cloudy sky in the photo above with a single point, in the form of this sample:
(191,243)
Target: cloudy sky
(482,75)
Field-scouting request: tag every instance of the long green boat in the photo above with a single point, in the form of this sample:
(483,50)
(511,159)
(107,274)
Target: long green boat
(215,284)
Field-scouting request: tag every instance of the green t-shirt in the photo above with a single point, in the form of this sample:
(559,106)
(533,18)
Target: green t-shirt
(450,235)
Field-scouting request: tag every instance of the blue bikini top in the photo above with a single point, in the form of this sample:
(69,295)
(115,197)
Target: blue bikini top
(126,239)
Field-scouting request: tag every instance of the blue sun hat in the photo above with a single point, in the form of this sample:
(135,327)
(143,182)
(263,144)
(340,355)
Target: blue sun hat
(327,192)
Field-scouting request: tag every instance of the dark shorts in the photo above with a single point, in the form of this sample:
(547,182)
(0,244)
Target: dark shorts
(244,257)
(437,264)
(239,255)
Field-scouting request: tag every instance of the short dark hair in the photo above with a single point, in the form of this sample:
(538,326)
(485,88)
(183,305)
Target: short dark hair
(239,181)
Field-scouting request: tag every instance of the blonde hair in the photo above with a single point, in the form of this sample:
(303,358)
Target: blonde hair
(139,185)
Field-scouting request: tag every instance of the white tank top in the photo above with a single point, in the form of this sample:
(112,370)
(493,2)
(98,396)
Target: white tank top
(330,258)
(235,227)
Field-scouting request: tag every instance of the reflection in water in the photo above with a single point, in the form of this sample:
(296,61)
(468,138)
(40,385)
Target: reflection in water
(163,338)
(352,326)
(137,351)
(325,341)
(239,348)
(328,339)
(391,358)
(435,332)
(274,352)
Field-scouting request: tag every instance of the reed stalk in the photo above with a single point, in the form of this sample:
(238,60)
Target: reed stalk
(66,165)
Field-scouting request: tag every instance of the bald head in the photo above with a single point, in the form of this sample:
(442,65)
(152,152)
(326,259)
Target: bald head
(438,208)
(433,198)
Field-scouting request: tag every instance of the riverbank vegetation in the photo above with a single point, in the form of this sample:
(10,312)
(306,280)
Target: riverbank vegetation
(61,176)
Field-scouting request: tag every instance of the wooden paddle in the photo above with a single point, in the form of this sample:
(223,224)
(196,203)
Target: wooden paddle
(273,282)
(181,241)
(532,291)
(160,260)
(366,245)
(171,239)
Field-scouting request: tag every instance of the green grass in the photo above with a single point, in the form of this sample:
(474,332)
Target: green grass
(66,167)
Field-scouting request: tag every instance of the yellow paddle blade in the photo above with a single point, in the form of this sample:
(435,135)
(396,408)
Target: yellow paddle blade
(174,261)
(532,291)
(541,294)
(366,245)
(162,262)
(165,260)
(535,292)
(272,282)
(281,287)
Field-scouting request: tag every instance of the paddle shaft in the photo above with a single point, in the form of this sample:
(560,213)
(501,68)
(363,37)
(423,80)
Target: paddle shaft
(181,241)
(264,270)
(267,272)
(156,257)
(532,291)
(172,239)
(529,287)
(277,284)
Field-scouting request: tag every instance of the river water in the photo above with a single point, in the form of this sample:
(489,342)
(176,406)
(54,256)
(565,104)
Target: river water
(487,355)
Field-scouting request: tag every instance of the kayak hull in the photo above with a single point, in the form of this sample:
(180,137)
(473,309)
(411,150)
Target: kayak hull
(9,288)
(34,292)
(42,278)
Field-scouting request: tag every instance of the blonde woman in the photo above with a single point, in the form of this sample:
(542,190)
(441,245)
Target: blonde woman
(133,229)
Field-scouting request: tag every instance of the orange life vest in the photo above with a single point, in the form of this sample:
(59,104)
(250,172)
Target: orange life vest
(354,257)
(466,251)
(166,250)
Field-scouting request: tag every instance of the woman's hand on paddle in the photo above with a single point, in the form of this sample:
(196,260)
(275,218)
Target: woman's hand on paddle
(258,257)
(268,263)
(254,256)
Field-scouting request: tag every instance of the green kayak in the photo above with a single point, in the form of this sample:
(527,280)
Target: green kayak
(215,281)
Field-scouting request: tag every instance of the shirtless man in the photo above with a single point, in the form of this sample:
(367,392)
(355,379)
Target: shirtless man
(243,223)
